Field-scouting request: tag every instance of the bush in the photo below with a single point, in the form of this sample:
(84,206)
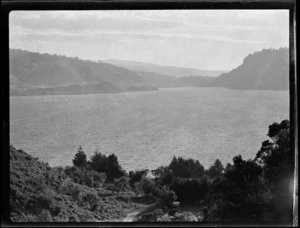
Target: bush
(148,186)
(89,200)
(190,190)
(185,217)
(83,176)
(166,196)
(74,218)
(137,176)
(45,216)
(151,216)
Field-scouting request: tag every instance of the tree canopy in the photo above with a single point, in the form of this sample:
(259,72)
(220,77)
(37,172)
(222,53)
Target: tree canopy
(80,158)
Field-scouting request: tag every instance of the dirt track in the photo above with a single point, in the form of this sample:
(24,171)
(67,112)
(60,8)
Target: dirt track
(131,216)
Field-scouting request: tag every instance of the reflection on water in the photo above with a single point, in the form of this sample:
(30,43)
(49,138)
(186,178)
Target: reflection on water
(145,129)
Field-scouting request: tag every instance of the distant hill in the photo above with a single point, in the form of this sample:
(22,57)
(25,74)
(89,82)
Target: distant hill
(194,81)
(44,74)
(155,79)
(264,70)
(47,70)
(164,70)
(38,72)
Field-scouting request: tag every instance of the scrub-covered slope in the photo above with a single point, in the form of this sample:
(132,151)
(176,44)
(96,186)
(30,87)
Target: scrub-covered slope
(39,193)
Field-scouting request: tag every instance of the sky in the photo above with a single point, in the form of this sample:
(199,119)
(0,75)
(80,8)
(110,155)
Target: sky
(203,39)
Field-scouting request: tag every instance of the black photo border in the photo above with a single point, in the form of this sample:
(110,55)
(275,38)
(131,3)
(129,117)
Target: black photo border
(12,5)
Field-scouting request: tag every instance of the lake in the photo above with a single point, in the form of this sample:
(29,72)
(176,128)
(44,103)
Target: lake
(146,129)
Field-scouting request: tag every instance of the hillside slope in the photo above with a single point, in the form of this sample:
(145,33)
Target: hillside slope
(264,70)
(39,193)
(44,74)
(38,74)
(45,70)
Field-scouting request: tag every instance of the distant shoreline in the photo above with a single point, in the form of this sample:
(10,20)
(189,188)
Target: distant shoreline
(146,89)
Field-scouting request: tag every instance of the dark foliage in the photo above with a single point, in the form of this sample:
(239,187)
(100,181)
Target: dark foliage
(39,193)
(278,166)
(80,158)
(136,176)
(164,195)
(84,176)
(99,162)
(190,190)
(186,168)
(252,191)
(216,169)
(258,190)
(108,165)
(163,175)
(114,170)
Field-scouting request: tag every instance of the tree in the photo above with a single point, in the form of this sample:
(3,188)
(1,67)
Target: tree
(136,176)
(186,168)
(114,170)
(260,189)
(80,158)
(122,183)
(166,196)
(216,169)
(148,186)
(239,194)
(277,160)
(163,175)
(99,162)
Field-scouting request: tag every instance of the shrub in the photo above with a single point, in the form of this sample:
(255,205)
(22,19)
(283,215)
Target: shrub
(45,216)
(151,216)
(137,176)
(148,186)
(74,218)
(185,217)
(90,199)
(166,196)
(44,201)
(190,190)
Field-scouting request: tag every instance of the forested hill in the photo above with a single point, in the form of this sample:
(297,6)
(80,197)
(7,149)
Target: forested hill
(53,70)
(35,72)
(264,70)
(44,74)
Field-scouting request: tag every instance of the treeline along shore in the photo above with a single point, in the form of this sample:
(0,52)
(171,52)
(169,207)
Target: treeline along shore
(44,74)
(98,189)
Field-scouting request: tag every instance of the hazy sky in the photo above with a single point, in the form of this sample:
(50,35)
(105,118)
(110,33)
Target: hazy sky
(204,39)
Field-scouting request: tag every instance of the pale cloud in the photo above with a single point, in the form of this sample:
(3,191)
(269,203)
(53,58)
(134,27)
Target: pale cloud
(155,33)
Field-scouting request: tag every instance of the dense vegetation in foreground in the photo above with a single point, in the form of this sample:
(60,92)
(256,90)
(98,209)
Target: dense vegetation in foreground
(258,190)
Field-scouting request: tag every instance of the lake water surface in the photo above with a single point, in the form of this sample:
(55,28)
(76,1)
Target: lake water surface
(146,129)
